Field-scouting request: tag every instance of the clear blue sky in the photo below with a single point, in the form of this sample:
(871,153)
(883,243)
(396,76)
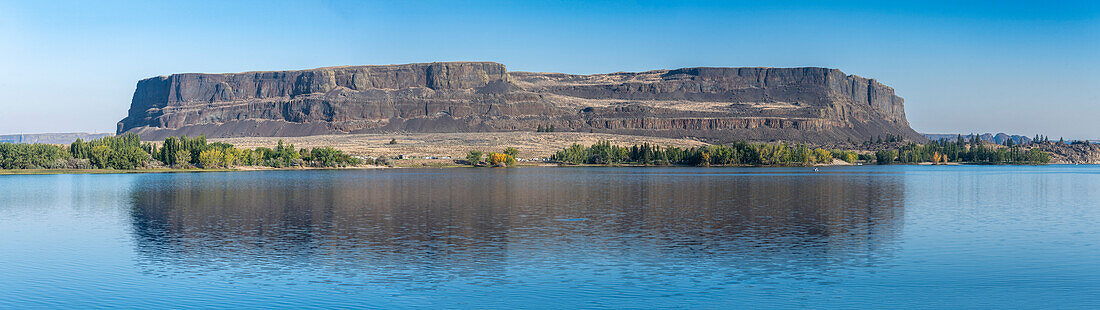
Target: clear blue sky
(1017,67)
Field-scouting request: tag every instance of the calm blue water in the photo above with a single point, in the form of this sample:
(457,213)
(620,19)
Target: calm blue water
(883,237)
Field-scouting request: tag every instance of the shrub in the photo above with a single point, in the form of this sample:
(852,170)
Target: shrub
(382,161)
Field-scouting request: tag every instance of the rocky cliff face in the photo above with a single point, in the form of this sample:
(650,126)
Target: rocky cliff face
(796,104)
(1076,153)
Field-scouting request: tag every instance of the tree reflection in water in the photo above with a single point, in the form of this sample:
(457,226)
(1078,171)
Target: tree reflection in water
(486,226)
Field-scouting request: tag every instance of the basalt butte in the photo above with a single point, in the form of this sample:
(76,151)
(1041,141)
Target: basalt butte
(816,105)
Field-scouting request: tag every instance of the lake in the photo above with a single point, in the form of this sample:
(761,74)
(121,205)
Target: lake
(842,237)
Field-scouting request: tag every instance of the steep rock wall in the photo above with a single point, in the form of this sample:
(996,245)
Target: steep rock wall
(803,104)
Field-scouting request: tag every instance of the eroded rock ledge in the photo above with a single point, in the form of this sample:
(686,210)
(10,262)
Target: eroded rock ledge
(795,104)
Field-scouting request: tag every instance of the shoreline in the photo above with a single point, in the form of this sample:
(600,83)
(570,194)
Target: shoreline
(543,165)
(165,170)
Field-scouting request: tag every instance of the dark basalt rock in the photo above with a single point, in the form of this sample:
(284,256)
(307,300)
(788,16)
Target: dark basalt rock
(796,104)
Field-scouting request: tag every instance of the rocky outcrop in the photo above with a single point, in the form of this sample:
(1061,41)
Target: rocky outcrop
(1075,153)
(797,104)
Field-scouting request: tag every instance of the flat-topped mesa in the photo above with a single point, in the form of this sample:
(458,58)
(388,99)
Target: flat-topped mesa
(795,104)
(198,89)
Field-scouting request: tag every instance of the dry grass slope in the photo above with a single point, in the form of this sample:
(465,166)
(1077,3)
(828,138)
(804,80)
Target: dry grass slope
(530,144)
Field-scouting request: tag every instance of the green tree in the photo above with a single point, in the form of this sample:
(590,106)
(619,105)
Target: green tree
(884,157)
(474,157)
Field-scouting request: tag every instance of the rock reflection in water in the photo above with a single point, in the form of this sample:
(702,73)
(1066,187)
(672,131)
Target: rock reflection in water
(420,227)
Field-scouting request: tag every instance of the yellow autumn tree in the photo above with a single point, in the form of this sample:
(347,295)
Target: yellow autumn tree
(850,157)
(212,158)
(496,159)
(822,156)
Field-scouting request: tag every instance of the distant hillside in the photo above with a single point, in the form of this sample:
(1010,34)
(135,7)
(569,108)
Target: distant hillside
(51,138)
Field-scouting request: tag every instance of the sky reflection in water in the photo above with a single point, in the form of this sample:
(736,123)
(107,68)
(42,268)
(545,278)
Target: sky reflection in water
(586,237)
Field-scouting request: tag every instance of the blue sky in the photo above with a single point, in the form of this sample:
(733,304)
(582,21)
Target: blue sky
(1017,67)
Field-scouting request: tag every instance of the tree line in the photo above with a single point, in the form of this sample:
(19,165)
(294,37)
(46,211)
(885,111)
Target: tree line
(962,151)
(128,152)
(782,154)
(733,154)
(187,152)
(37,156)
